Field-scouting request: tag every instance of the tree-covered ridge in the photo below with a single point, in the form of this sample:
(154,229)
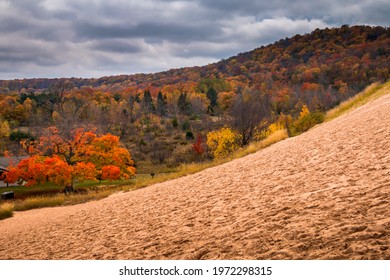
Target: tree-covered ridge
(354,56)
(330,57)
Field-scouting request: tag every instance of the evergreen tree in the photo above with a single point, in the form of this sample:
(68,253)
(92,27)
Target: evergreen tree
(212,95)
(147,103)
(161,104)
(183,104)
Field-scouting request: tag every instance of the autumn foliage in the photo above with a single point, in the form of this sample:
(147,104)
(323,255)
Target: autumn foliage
(222,142)
(306,120)
(198,146)
(246,92)
(111,172)
(83,156)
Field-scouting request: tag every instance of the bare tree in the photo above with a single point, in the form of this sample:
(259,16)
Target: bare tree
(249,113)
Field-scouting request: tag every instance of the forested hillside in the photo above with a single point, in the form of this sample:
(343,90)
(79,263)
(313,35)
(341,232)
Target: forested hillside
(168,118)
(353,55)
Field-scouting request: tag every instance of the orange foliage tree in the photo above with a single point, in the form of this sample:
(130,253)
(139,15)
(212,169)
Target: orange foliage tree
(80,155)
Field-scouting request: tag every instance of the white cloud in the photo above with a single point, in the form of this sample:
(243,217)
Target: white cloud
(249,29)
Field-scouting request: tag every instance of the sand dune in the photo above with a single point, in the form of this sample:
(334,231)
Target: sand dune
(322,195)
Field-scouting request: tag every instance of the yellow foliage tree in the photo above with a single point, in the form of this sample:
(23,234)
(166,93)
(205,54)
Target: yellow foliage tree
(222,142)
(304,112)
(4,133)
(4,129)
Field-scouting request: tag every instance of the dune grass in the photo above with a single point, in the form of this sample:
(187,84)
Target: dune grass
(93,192)
(256,146)
(38,202)
(370,93)
(6,210)
(58,200)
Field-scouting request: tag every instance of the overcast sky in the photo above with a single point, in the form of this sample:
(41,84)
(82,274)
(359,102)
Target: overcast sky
(94,38)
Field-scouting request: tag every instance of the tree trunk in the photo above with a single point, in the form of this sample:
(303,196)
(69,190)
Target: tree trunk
(69,189)
(288,128)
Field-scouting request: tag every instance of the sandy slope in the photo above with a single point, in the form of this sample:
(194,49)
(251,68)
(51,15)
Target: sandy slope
(322,195)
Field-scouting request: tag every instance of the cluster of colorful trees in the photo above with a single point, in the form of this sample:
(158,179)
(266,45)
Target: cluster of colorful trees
(225,105)
(62,157)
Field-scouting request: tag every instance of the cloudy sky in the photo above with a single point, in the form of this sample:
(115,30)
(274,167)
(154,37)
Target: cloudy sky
(93,38)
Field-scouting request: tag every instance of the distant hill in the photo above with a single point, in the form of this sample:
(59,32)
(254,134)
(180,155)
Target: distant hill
(345,58)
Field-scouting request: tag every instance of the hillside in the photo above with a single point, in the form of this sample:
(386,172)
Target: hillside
(356,55)
(160,116)
(322,195)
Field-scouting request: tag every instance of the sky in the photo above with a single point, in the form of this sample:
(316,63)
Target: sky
(95,38)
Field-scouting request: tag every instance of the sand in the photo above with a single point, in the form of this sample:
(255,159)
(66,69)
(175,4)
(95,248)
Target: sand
(322,195)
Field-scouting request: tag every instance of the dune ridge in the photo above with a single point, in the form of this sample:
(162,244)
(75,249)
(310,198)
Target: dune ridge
(322,195)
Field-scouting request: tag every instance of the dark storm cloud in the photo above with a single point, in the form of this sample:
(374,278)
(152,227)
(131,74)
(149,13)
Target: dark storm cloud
(41,55)
(11,24)
(337,11)
(116,46)
(148,30)
(94,38)
(269,8)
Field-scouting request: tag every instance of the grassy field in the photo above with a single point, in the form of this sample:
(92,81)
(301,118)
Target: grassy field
(48,189)
(50,195)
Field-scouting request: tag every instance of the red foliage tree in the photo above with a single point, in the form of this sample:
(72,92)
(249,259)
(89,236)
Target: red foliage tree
(82,156)
(198,146)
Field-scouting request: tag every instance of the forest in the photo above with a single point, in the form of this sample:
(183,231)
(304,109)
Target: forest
(114,127)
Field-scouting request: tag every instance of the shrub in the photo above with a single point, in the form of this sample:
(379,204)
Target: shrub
(306,122)
(175,122)
(222,142)
(198,146)
(186,125)
(142,142)
(190,135)
(17,136)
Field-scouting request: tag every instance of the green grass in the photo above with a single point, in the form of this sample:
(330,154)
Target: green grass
(370,93)
(49,189)
(21,191)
